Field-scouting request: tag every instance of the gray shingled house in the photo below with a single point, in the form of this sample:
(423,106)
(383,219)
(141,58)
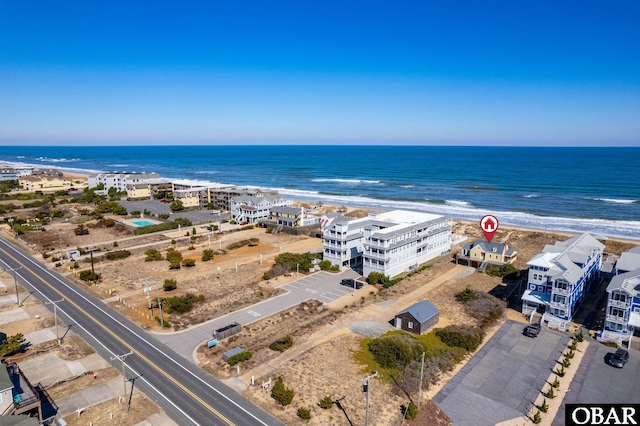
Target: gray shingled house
(417,318)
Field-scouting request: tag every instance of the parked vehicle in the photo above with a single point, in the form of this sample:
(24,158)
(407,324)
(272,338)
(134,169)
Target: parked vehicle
(619,358)
(532,330)
(350,282)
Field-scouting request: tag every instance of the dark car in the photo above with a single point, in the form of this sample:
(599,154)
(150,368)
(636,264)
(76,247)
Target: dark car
(350,282)
(532,330)
(619,358)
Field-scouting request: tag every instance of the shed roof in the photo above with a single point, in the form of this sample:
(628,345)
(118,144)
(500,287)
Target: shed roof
(421,311)
(5,380)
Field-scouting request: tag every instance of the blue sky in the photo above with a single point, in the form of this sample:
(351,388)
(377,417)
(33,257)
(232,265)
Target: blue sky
(395,72)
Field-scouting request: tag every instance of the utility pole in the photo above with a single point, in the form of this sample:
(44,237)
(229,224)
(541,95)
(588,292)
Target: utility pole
(365,388)
(121,358)
(15,281)
(297,269)
(160,307)
(60,233)
(55,316)
(91,250)
(420,385)
(147,291)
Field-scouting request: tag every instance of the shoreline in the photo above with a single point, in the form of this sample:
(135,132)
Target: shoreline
(72,174)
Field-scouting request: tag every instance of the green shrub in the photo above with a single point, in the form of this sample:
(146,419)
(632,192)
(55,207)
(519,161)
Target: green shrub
(266,276)
(181,304)
(170,284)
(550,393)
(282,344)
(411,411)
(537,418)
(167,226)
(12,344)
(555,383)
(166,324)
(89,276)
(561,372)
(304,413)
(579,336)
(566,363)
(466,295)
(207,254)
(163,216)
(118,254)
(461,336)
(326,402)
(507,270)
(81,230)
(395,350)
(174,257)
(544,407)
(570,354)
(486,309)
(152,255)
(189,262)
(241,357)
(574,345)
(281,393)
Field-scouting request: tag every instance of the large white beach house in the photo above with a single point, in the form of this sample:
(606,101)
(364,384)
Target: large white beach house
(390,243)
(560,278)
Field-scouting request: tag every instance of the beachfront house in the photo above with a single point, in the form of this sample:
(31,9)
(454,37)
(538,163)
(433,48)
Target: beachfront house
(44,183)
(482,253)
(246,209)
(417,318)
(390,243)
(623,300)
(292,216)
(560,278)
(8,173)
(119,181)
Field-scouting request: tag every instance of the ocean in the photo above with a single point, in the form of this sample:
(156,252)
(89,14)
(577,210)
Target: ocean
(592,190)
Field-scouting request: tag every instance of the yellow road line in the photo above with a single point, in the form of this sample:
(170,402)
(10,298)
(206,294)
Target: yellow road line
(164,373)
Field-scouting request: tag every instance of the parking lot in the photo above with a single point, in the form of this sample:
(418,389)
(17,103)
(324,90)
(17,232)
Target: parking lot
(599,383)
(503,380)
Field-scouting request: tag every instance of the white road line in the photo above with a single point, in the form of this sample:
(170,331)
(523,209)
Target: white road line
(36,265)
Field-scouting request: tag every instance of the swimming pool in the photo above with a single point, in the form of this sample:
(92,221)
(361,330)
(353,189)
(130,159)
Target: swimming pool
(142,223)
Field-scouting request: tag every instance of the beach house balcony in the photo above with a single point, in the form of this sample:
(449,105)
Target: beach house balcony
(618,319)
(563,291)
(620,304)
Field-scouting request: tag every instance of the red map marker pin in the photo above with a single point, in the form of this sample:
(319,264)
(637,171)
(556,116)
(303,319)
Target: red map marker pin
(489,225)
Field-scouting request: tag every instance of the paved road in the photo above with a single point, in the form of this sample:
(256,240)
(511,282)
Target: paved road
(599,383)
(321,286)
(186,393)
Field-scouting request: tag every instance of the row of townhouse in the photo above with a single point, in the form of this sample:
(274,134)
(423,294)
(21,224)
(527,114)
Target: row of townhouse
(390,243)
(560,278)
(623,300)
(44,183)
(125,181)
(15,172)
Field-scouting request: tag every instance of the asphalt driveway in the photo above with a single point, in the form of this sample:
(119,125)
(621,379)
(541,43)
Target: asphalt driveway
(502,381)
(598,383)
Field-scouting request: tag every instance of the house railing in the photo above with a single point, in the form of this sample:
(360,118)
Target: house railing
(616,318)
(558,290)
(619,304)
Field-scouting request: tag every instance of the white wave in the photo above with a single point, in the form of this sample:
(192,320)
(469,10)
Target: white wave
(347,181)
(615,200)
(206,172)
(598,227)
(406,186)
(458,203)
(118,165)
(57,160)
(531,196)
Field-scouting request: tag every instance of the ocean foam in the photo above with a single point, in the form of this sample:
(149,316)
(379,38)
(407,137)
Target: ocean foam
(614,200)
(348,181)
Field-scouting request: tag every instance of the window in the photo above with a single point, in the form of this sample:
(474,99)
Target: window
(410,325)
(619,297)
